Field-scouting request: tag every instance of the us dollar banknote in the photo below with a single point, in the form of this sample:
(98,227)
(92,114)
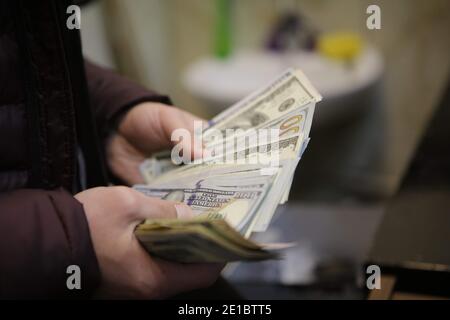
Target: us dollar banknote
(235,189)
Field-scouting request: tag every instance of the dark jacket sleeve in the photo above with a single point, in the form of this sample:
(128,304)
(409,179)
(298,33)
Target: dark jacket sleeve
(42,234)
(111,95)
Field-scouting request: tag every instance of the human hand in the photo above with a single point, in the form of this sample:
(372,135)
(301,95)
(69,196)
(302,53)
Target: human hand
(145,129)
(128,271)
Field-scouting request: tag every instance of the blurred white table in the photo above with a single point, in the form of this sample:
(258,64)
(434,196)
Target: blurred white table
(220,83)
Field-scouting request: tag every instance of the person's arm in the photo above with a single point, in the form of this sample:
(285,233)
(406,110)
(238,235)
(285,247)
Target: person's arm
(133,122)
(111,95)
(42,233)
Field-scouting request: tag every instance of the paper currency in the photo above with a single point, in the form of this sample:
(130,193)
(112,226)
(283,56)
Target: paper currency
(236,189)
(156,166)
(199,240)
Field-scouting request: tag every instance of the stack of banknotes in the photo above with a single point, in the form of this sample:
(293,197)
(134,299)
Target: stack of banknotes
(251,151)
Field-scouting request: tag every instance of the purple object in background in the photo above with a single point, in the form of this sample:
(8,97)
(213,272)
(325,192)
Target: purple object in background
(292,32)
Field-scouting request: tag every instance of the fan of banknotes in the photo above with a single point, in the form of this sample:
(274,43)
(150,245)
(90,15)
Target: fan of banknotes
(252,151)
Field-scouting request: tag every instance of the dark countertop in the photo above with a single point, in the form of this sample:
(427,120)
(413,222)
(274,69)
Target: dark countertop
(413,238)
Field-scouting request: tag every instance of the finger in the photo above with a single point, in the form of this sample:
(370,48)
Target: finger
(155,208)
(193,149)
(149,127)
(124,160)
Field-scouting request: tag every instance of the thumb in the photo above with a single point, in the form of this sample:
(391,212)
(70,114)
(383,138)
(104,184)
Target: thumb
(155,208)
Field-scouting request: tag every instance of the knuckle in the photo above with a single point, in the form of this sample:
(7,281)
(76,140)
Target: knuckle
(125,196)
(163,208)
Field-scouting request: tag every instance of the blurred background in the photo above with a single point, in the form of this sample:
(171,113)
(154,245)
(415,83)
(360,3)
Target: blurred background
(380,88)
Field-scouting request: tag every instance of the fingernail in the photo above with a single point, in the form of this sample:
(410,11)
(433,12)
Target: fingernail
(183,211)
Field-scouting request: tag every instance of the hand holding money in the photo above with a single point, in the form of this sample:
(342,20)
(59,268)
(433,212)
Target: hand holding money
(144,130)
(234,190)
(126,269)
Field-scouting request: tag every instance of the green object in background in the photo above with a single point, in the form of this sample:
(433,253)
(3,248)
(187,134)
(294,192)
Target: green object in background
(222,45)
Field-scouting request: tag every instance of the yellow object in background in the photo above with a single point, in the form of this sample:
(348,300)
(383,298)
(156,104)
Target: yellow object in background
(343,46)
